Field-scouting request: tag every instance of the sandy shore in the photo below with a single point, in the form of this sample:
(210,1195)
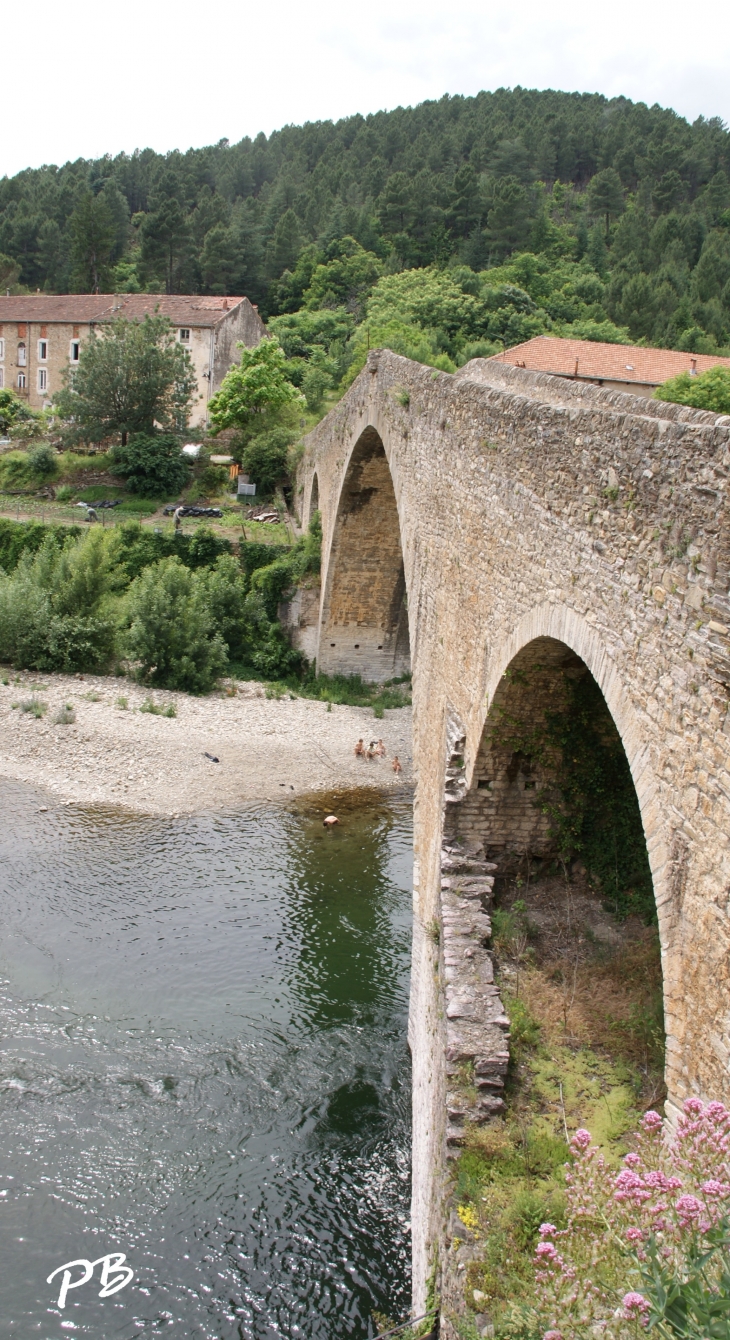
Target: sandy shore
(268,749)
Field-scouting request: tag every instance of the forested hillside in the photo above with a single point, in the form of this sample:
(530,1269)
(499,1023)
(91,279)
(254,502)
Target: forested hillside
(450,228)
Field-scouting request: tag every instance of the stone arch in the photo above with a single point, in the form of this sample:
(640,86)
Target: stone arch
(313,498)
(566,625)
(498,808)
(364,621)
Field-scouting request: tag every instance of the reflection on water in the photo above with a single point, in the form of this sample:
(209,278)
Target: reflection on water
(204,1066)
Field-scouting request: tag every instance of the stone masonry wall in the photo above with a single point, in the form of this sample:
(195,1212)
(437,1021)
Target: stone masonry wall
(530,507)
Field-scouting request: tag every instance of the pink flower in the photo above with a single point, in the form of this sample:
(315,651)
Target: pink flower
(547,1230)
(636,1306)
(693,1106)
(546,1252)
(634,1235)
(553,1335)
(632,1160)
(715,1188)
(581,1139)
(653,1122)
(689,1209)
(716,1111)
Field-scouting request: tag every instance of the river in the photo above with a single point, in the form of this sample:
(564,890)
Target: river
(204,1067)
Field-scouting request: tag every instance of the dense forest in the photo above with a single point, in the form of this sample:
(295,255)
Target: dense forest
(444,230)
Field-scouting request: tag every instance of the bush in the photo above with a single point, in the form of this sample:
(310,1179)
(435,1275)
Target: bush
(43,460)
(710,391)
(172,631)
(265,459)
(153,465)
(51,607)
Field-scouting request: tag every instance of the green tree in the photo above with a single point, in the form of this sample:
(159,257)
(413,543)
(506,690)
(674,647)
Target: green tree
(605,196)
(166,244)
(131,376)
(710,391)
(153,464)
(265,459)
(93,234)
(285,245)
(171,631)
(256,391)
(508,220)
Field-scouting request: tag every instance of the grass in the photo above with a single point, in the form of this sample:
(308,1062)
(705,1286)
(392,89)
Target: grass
(342,690)
(65,716)
(122,703)
(35,707)
(92,696)
(157,709)
(586,1049)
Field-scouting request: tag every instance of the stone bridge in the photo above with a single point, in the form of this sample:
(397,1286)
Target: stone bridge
(496,520)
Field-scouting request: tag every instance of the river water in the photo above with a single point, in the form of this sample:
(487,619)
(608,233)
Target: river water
(204,1067)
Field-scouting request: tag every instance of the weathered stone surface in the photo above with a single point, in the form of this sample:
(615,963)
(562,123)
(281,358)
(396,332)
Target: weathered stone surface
(468,519)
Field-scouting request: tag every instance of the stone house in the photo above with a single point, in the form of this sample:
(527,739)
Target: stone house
(617,367)
(42,335)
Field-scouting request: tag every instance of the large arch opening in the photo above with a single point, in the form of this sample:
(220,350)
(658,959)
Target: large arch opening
(553,806)
(364,626)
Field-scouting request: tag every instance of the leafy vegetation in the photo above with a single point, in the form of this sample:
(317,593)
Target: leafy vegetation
(131,377)
(152,464)
(314,219)
(711,390)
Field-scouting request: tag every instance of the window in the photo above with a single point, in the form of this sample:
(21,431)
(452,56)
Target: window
(184,335)
(2,378)
(43,379)
(21,381)
(2,351)
(21,355)
(74,350)
(42,351)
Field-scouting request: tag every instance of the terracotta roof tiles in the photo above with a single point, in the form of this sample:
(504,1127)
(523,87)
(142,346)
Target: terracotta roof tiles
(81,308)
(605,362)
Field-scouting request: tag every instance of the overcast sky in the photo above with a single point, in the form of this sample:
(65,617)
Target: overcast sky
(94,77)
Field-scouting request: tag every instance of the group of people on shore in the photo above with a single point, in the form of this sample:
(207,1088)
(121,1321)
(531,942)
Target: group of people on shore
(376,749)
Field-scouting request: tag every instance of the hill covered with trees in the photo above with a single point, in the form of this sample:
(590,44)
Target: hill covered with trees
(444,230)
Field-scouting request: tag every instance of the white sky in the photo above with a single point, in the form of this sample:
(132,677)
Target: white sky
(96,77)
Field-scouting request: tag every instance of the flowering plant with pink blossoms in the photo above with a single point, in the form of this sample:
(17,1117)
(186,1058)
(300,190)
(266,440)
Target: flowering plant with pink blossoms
(646,1248)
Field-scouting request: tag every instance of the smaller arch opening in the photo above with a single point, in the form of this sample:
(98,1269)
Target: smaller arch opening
(313,500)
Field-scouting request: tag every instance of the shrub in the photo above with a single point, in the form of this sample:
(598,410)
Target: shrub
(43,460)
(171,630)
(157,709)
(65,715)
(153,464)
(265,459)
(51,615)
(710,391)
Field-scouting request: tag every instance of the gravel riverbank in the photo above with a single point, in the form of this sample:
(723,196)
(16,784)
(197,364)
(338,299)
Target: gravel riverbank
(267,748)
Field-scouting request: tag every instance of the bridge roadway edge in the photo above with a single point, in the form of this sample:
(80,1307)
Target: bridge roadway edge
(530,507)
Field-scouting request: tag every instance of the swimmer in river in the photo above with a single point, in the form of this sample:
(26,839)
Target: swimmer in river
(359,749)
(396,765)
(330,821)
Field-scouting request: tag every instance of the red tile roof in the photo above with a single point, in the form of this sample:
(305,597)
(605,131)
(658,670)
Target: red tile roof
(605,362)
(81,308)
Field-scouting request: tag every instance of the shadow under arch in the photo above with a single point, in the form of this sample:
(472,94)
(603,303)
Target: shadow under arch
(561,771)
(364,621)
(313,499)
